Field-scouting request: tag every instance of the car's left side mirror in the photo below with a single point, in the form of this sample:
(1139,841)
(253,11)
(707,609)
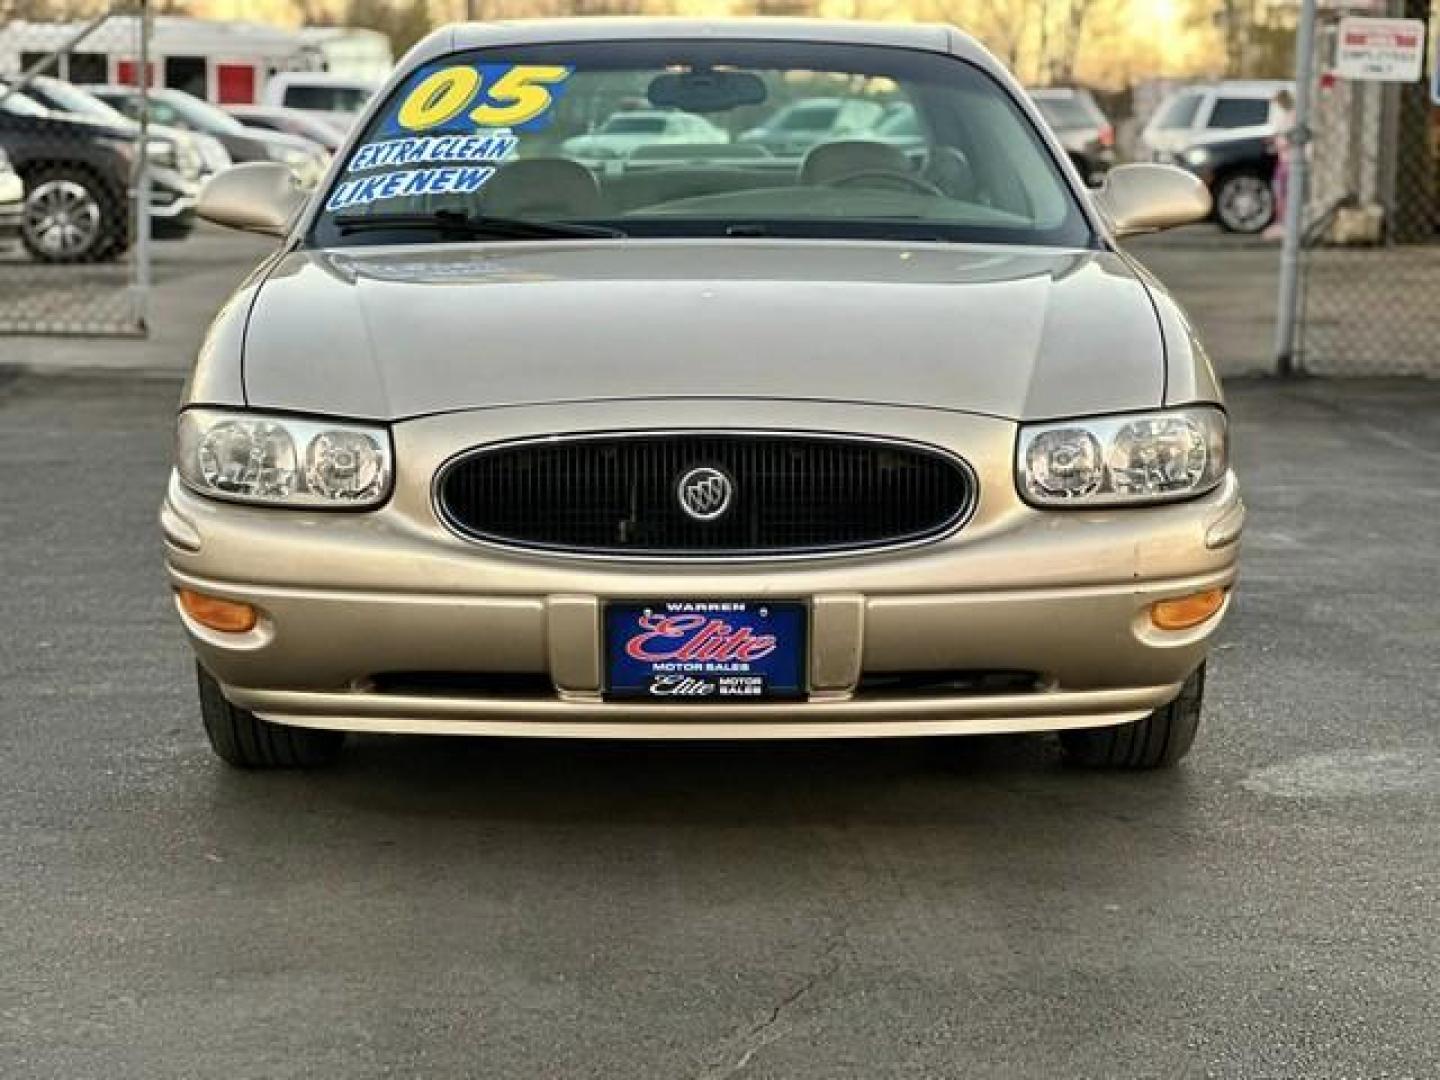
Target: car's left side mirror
(1147,198)
(257,196)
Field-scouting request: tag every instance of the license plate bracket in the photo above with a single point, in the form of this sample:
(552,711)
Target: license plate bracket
(700,651)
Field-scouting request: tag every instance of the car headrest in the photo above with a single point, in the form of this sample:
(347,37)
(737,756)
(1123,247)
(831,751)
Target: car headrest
(950,171)
(834,161)
(541,188)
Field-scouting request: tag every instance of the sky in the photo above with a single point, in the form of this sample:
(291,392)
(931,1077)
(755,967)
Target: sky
(1126,39)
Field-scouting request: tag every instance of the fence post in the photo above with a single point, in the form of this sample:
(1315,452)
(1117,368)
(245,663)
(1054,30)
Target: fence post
(142,179)
(1287,316)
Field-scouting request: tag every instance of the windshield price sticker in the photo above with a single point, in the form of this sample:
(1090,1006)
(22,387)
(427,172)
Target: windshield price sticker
(401,185)
(460,98)
(457,149)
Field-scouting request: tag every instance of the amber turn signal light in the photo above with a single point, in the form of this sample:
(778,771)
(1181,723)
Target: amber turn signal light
(1184,612)
(227,616)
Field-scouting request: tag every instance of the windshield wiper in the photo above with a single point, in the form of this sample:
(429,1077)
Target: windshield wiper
(474,226)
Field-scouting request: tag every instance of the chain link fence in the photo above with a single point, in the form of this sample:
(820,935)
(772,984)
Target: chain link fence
(1371,263)
(83,185)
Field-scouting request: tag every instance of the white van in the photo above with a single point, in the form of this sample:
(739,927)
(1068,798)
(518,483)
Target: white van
(339,98)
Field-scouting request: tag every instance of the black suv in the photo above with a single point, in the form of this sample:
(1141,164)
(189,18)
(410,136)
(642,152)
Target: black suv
(1238,171)
(78,174)
(1223,133)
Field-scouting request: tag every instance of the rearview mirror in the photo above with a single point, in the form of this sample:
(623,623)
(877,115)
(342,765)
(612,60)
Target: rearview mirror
(1147,198)
(258,196)
(706,91)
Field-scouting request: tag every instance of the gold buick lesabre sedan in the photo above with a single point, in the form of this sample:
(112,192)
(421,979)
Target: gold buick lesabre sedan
(806,394)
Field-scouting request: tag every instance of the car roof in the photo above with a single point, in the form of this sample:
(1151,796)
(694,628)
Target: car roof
(930,37)
(510,32)
(1247,88)
(321,78)
(124,88)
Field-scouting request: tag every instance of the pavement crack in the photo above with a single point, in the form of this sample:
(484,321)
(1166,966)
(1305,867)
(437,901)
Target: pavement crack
(770,1029)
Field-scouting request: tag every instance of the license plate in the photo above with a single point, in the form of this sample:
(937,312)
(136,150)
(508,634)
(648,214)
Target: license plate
(697,651)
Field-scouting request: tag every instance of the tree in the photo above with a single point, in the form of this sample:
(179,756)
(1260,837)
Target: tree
(404,22)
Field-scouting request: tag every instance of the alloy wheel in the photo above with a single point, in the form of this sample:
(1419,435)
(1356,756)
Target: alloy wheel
(62,219)
(1245,204)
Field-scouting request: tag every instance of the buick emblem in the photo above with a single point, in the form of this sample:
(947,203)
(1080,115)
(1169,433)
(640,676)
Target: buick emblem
(705,493)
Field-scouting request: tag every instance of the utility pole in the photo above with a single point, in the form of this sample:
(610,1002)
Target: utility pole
(1288,312)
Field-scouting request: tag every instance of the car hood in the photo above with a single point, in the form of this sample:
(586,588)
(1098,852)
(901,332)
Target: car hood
(282,139)
(398,332)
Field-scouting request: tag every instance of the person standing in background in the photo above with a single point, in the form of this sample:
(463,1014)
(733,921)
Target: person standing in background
(1282,123)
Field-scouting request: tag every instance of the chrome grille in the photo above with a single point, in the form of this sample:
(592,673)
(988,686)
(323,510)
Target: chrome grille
(618,493)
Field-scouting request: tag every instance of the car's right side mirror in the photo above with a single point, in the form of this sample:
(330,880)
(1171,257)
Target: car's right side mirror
(257,196)
(1147,198)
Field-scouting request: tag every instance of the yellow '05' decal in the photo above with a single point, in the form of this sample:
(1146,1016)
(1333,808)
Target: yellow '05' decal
(439,98)
(515,96)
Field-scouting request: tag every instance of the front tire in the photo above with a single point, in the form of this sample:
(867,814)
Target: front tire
(71,217)
(1244,203)
(242,739)
(1158,741)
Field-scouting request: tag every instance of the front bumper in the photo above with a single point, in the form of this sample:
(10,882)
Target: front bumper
(12,204)
(348,600)
(172,198)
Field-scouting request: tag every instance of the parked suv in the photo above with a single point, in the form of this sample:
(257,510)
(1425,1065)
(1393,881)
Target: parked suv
(178,163)
(1084,131)
(804,124)
(1224,135)
(179,109)
(12,199)
(76,175)
(193,154)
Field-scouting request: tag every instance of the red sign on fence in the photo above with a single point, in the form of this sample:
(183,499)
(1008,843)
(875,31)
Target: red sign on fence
(1380,50)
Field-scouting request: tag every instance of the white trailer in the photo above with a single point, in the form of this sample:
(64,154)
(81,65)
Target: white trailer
(228,63)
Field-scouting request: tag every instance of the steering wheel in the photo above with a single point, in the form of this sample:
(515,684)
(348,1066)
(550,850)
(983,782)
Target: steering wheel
(883,178)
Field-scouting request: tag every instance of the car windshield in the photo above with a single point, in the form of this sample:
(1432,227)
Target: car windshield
(194,113)
(807,118)
(900,123)
(18,104)
(327,98)
(1066,113)
(634,125)
(510,134)
(1177,113)
(70,98)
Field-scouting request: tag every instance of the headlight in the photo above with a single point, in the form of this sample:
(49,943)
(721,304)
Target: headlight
(161,152)
(213,153)
(124,147)
(1117,460)
(281,461)
(1197,157)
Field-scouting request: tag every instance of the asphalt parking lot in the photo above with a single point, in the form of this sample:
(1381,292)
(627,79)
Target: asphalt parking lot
(447,908)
